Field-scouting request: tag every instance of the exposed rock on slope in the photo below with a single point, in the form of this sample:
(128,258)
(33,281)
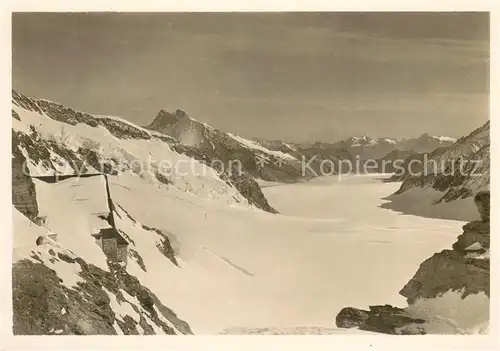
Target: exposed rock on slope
(465,268)
(381,319)
(461,272)
(69,288)
(425,143)
(412,164)
(56,291)
(438,159)
(45,304)
(459,179)
(275,160)
(227,148)
(439,181)
(232,175)
(23,189)
(57,139)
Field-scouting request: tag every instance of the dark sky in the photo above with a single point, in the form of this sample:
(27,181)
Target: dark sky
(293,76)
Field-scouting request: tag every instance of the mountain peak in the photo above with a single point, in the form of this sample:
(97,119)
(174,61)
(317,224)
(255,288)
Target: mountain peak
(165,118)
(360,140)
(180,113)
(441,139)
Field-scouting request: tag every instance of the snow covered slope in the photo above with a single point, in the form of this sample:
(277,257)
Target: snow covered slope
(445,177)
(257,160)
(56,139)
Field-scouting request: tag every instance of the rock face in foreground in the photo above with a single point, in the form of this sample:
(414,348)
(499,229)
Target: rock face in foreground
(45,304)
(381,319)
(465,270)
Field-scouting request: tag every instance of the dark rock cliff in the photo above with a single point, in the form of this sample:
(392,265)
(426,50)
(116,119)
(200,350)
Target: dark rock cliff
(23,188)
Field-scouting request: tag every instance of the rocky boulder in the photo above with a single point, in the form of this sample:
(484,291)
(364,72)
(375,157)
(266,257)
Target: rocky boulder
(382,319)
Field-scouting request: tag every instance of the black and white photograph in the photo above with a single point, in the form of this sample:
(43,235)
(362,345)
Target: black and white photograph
(250,173)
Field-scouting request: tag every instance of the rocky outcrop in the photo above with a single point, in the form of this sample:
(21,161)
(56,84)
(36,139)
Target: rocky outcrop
(440,184)
(56,153)
(23,188)
(44,305)
(241,178)
(412,164)
(482,201)
(164,243)
(46,155)
(462,268)
(208,144)
(458,171)
(465,270)
(425,143)
(176,125)
(249,188)
(381,319)
(465,176)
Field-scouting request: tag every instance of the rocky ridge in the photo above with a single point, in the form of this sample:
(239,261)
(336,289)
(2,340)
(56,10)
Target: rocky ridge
(464,270)
(366,154)
(86,157)
(201,138)
(457,172)
(365,147)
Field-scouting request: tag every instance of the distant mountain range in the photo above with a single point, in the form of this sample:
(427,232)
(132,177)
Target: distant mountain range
(365,147)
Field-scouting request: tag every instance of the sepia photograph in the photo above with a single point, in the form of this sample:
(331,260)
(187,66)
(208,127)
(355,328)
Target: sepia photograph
(250,173)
